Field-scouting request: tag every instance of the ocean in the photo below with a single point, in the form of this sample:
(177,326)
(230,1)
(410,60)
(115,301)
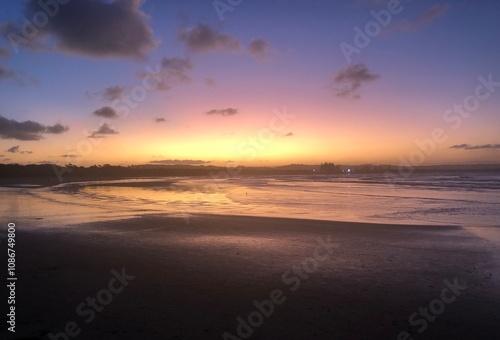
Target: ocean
(423,199)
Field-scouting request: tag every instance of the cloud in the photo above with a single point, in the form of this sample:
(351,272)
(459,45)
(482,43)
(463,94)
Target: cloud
(179,162)
(434,12)
(224,112)
(160,120)
(203,38)
(4,53)
(106,112)
(56,129)
(6,73)
(110,94)
(259,49)
(476,147)
(210,82)
(27,130)
(113,92)
(103,130)
(15,149)
(350,80)
(175,69)
(290,134)
(70,156)
(97,28)
(170,72)
(15,77)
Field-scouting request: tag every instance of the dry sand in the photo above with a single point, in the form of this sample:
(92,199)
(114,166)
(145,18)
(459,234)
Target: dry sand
(193,280)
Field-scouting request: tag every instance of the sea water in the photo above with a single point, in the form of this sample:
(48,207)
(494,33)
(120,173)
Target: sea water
(430,199)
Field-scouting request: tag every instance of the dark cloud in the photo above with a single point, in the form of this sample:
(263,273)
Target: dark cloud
(103,130)
(224,112)
(113,92)
(259,48)
(434,12)
(203,38)
(106,112)
(476,147)
(350,80)
(57,129)
(27,130)
(179,162)
(290,134)
(170,72)
(160,120)
(97,28)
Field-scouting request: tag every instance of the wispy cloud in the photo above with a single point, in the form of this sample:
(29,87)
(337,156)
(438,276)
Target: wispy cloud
(4,53)
(15,77)
(210,82)
(223,112)
(160,120)
(106,112)
(347,82)
(476,147)
(113,92)
(27,130)
(203,38)
(104,130)
(433,13)
(170,72)
(180,162)
(259,49)
(6,73)
(70,156)
(15,149)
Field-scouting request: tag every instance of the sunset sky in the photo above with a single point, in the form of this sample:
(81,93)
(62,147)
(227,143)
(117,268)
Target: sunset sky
(262,82)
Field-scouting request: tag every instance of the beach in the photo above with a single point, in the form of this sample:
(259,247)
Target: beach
(160,277)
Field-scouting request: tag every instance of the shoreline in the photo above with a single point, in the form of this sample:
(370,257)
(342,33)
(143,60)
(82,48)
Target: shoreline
(194,280)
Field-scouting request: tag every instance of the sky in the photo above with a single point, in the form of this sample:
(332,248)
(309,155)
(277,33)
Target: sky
(254,83)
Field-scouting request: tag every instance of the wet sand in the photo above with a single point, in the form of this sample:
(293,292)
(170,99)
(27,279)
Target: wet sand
(193,280)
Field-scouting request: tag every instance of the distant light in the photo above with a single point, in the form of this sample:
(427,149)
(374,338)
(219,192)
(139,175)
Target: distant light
(349,170)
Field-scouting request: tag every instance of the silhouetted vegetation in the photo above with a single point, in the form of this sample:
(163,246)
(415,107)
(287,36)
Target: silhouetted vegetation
(50,174)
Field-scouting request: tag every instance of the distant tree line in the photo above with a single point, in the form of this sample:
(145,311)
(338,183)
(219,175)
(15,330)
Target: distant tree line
(329,168)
